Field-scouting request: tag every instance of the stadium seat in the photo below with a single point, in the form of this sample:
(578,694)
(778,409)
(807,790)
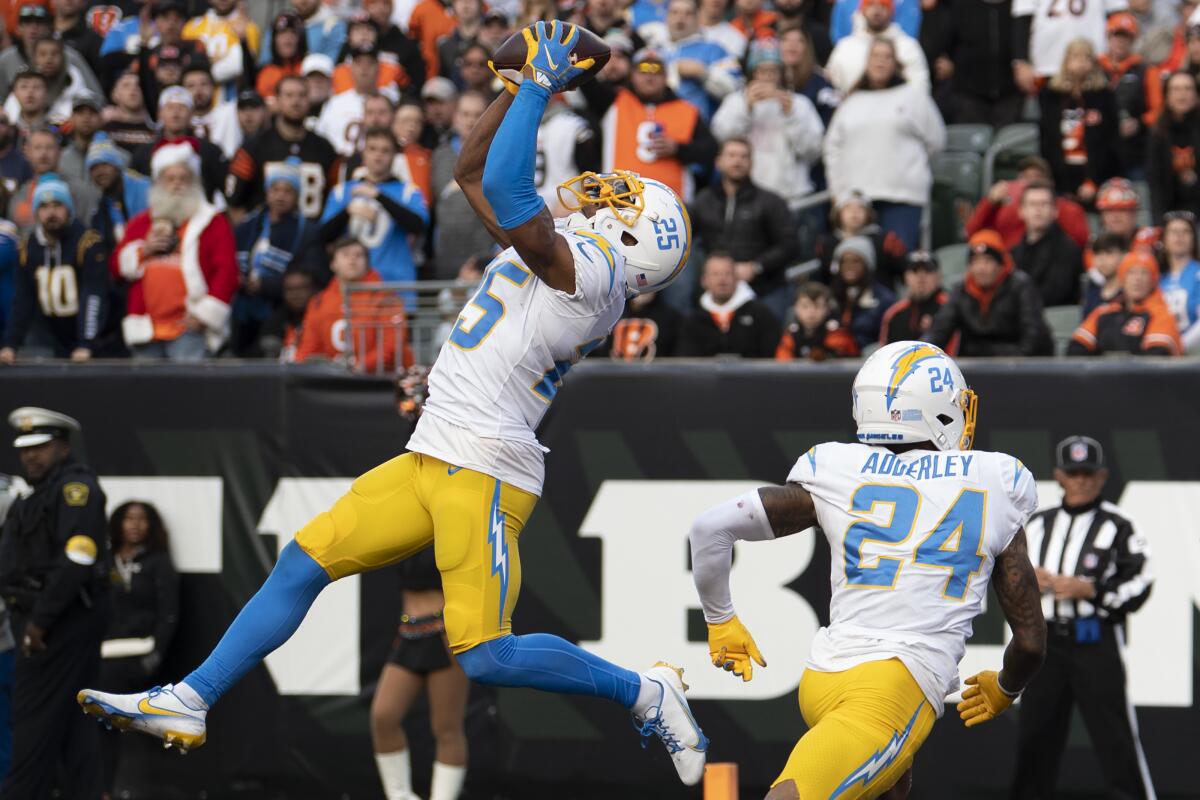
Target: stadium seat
(1144,216)
(956,190)
(1063,320)
(953,260)
(968,138)
(1010,145)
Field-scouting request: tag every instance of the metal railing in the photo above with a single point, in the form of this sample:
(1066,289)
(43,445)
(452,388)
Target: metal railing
(392,324)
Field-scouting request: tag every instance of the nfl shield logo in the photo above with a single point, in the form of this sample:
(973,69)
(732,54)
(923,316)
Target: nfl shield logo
(1079,452)
(1090,561)
(641,279)
(895,415)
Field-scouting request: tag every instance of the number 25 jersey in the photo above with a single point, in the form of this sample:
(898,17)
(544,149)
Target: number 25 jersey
(511,345)
(912,539)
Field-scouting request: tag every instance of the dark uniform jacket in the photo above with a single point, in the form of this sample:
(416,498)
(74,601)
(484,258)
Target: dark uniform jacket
(1146,328)
(54,547)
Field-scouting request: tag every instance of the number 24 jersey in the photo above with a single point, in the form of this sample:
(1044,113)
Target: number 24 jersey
(511,345)
(912,538)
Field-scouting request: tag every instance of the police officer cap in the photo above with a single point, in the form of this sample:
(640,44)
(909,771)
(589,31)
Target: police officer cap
(1080,452)
(36,426)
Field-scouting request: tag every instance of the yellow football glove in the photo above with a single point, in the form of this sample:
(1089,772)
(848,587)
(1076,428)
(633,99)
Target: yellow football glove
(509,84)
(983,699)
(732,648)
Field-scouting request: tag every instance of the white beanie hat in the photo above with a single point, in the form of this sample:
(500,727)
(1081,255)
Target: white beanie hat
(171,154)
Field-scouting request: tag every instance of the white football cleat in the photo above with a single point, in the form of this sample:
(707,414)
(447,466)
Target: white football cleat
(158,712)
(671,721)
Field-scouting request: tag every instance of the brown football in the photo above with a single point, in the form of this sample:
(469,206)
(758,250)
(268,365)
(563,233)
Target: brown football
(510,56)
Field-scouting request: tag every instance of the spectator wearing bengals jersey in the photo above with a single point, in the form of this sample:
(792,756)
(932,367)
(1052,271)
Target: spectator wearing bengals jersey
(1174,145)
(1138,322)
(288,137)
(815,334)
(375,335)
(1078,123)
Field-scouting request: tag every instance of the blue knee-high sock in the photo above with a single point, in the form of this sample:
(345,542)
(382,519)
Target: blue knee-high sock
(542,661)
(266,622)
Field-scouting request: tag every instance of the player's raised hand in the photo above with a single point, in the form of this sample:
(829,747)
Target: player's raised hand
(733,649)
(983,699)
(549,47)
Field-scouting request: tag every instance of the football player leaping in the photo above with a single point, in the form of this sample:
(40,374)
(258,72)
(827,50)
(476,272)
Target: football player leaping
(916,522)
(475,468)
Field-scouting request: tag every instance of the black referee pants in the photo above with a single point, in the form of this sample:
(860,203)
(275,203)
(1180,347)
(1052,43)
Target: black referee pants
(49,730)
(1092,675)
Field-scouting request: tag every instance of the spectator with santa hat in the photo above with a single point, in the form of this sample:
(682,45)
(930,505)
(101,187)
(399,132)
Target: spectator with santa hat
(178,257)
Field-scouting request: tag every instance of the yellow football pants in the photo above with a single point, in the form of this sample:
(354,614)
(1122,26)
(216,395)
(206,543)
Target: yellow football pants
(865,725)
(400,507)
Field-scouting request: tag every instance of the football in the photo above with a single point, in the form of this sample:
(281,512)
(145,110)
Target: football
(510,56)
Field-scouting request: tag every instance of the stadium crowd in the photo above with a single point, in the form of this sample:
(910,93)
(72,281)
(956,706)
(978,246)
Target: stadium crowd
(185,179)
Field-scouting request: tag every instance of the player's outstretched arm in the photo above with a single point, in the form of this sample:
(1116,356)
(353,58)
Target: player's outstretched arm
(468,169)
(508,171)
(990,693)
(755,516)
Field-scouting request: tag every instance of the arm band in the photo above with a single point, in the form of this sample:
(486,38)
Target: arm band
(508,171)
(712,538)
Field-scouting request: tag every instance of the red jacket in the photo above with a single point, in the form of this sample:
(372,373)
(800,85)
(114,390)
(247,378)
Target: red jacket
(199,278)
(1005,220)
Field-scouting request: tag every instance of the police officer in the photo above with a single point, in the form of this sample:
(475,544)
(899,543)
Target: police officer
(1091,568)
(53,576)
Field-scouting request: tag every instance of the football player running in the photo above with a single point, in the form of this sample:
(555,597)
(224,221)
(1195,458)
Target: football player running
(917,524)
(475,468)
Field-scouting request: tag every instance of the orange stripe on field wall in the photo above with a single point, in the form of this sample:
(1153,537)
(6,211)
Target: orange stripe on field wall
(721,782)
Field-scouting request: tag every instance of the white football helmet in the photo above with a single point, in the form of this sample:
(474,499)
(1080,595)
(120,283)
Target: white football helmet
(643,219)
(914,392)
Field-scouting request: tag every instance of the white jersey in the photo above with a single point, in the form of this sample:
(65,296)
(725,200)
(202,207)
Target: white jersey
(912,541)
(497,374)
(560,131)
(1057,23)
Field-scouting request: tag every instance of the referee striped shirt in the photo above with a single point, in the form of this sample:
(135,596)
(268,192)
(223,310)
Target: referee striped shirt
(1096,542)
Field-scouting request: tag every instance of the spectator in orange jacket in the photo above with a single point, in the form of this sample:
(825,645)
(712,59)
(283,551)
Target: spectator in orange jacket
(815,334)
(999,210)
(376,331)
(1137,322)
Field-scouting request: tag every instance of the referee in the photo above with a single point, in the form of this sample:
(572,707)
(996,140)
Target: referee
(1091,568)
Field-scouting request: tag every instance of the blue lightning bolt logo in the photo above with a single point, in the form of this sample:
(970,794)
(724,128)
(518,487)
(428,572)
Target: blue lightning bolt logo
(496,528)
(879,760)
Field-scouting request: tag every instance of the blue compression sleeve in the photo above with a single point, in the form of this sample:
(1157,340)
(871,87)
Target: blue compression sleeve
(508,171)
(546,662)
(266,622)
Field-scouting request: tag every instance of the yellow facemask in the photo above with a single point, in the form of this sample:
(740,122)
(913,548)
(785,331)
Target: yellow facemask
(621,191)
